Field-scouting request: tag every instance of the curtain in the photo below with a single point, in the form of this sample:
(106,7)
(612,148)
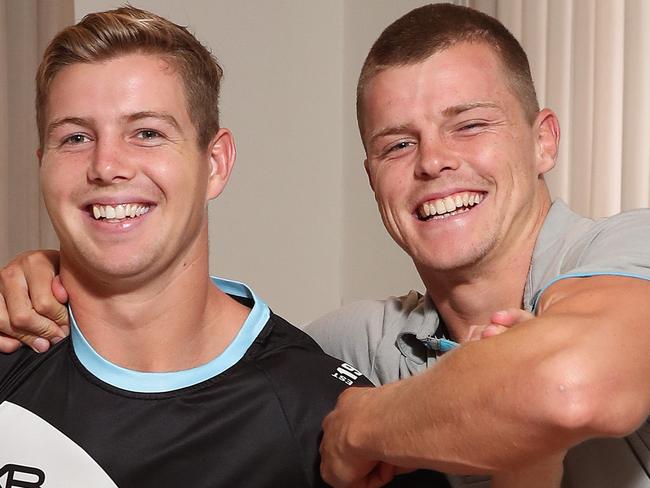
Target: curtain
(589,63)
(26,26)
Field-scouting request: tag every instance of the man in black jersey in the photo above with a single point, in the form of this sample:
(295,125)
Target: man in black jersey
(130,153)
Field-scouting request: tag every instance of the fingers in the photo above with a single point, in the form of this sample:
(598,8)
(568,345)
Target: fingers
(510,317)
(30,310)
(478,332)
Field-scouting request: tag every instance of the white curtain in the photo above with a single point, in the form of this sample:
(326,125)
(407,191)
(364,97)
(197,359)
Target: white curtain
(589,60)
(26,26)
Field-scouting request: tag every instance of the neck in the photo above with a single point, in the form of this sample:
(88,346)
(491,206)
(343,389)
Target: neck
(171,322)
(469,296)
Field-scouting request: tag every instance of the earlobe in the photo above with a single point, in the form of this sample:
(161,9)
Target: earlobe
(221,157)
(547,141)
(366,165)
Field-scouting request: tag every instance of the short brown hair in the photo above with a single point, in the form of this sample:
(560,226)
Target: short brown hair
(105,35)
(433,28)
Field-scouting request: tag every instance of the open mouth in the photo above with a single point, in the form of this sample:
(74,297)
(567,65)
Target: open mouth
(118,213)
(449,206)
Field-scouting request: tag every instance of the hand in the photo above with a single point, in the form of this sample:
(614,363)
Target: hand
(500,322)
(343,462)
(32,302)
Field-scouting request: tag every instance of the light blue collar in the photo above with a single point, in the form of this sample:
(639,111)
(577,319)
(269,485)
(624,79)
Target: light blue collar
(141,382)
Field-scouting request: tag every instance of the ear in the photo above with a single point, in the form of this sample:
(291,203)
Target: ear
(39,155)
(221,156)
(547,140)
(366,165)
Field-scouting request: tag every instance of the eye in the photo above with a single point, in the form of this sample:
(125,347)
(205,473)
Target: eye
(75,139)
(400,145)
(473,125)
(148,134)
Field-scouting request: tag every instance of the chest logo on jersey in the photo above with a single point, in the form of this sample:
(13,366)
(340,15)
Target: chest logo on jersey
(347,374)
(17,476)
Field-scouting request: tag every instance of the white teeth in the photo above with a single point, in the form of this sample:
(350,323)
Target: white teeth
(119,212)
(449,205)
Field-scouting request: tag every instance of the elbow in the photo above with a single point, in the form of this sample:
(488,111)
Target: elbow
(580,402)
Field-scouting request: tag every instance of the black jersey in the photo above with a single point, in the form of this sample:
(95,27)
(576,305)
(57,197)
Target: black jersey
(250,418)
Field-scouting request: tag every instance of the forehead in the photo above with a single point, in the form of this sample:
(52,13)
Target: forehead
(125,84)
(463,74)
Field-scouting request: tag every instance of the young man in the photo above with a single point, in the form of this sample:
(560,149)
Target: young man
(456,152)
(227,394)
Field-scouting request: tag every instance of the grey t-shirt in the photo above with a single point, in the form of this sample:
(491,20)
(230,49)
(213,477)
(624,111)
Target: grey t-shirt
(383,337)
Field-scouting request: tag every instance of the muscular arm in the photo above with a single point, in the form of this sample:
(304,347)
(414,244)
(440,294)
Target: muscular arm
(578,370)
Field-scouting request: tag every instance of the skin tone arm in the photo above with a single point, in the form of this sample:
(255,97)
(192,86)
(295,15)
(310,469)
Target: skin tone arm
(498,404)
(32,302)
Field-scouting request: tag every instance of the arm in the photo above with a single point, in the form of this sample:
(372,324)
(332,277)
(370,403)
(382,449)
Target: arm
(32,302)
(494,405)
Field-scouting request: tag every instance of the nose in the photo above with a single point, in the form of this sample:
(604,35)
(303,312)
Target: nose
(109,163)
(433,159)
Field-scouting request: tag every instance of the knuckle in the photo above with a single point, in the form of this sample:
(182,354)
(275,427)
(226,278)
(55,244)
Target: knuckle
(43,306)
(21,318)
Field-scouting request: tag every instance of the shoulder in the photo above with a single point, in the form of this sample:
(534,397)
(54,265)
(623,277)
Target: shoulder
(570,245)
(363,332)
(296,364)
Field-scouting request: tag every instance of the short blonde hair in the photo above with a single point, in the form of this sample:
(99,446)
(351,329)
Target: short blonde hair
(105,35)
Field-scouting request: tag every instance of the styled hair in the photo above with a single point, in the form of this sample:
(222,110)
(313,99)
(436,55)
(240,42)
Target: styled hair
(105,35)
(426,30)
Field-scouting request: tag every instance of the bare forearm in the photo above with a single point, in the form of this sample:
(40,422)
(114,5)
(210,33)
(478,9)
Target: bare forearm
(538,389)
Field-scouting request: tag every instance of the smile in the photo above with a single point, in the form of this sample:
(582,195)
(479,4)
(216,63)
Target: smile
(119,212)
(449,206)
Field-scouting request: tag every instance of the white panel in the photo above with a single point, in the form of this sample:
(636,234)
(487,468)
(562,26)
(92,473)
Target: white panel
(36,444)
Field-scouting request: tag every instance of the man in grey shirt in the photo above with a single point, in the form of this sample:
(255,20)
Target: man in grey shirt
(457,149)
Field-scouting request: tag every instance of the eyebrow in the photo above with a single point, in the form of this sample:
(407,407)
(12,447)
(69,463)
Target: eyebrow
(147,114)
(52,126)
(447,112)
(389,131)
(464,107)
(83,122)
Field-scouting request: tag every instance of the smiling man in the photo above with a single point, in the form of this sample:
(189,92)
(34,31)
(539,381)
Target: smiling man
(227,394)
(457,149)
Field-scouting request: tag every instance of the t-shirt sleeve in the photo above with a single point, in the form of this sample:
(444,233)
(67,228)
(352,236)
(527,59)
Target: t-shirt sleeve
(616,246)
(351,333)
